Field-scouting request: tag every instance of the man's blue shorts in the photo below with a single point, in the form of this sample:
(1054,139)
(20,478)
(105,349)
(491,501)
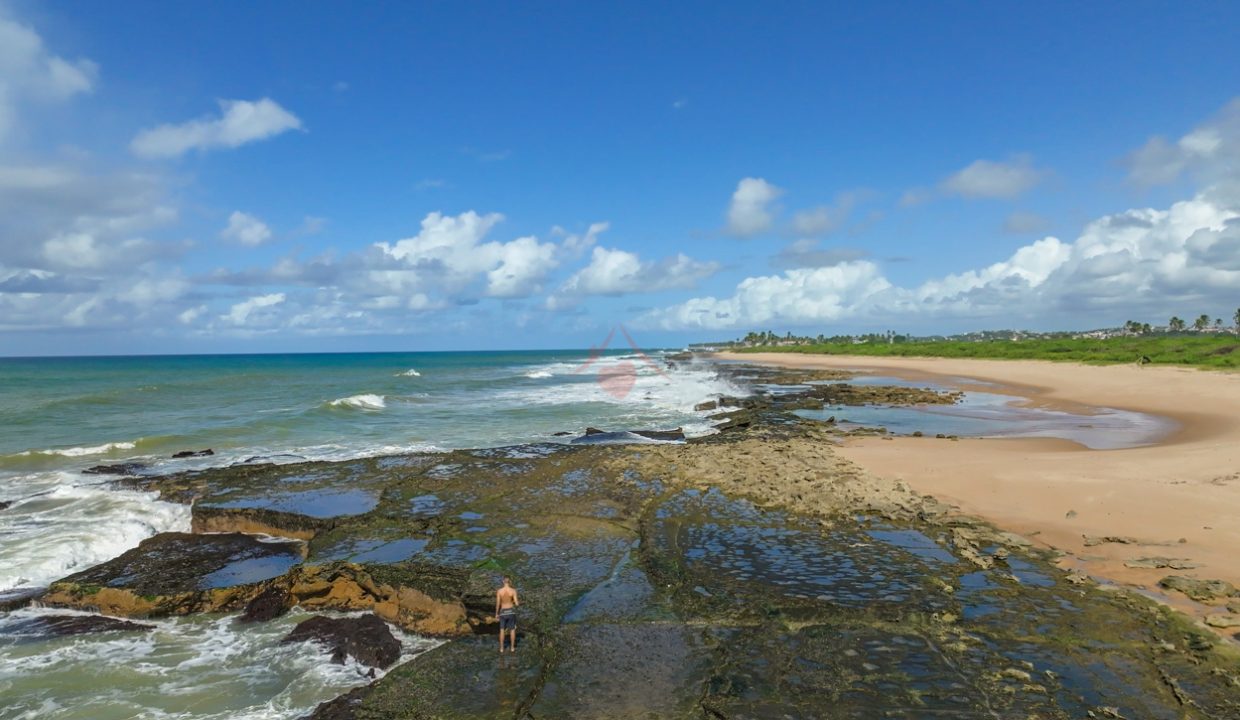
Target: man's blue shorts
(507,619)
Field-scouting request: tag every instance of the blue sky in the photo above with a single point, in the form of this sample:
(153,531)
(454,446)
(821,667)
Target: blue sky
(194,177)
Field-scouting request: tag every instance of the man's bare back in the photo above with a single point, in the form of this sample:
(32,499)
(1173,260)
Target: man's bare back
(506,602)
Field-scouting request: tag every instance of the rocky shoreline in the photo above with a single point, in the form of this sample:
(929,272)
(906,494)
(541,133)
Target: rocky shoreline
(750,573)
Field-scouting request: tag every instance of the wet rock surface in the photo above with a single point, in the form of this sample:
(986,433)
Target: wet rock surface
(192,454)
(127,468)
(180,563)
(269,604)
(20,597)
(748,574)
(366,639)
(68,625)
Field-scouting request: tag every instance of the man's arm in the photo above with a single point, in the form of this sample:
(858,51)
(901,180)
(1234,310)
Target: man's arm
(497,604)
(515,600)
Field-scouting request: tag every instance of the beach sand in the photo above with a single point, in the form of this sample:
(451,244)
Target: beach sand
(1179,498)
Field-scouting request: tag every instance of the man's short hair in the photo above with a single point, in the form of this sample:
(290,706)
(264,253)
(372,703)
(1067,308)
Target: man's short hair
(507,579)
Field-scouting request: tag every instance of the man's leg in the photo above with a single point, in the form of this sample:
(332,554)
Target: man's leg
(512,638)
(501,637)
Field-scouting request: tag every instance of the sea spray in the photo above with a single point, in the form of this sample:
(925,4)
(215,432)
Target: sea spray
(62,527)
(222,669)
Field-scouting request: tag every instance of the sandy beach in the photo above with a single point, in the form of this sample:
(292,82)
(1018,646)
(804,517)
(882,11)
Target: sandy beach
(1178,499)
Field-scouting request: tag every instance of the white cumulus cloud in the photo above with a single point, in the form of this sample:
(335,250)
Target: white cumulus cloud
(246,229)
(750,212)
(449,254)
(994,179)
(619,272)
(1124,263)
(239,122)
(1212,149)
(29,73)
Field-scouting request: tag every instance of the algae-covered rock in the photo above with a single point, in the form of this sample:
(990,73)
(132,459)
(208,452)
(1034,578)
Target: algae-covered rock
(1222,621)
(1199,590)
(466,678)
(176,573)
(180,573)
(366,639)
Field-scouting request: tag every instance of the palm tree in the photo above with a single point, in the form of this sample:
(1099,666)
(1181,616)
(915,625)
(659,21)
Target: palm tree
(1236,319)
(1175,324)
(1201,323)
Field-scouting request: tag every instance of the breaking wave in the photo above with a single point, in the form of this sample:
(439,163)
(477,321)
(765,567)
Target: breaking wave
(361,402)
(83,451)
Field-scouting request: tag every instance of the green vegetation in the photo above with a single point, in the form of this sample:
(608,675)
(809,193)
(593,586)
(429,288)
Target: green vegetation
(1217,351)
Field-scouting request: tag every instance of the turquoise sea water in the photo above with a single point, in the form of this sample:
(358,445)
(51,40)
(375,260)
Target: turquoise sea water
(328,405)
(63,415)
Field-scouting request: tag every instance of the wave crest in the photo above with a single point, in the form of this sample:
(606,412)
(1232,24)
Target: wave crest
(409,373)
(82,451)
(361,402)
(538,374)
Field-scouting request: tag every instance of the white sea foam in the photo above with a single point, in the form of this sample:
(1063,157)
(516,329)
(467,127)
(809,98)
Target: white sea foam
(198,667)
(409,373)
(538,374)
(361,402)
(61,527)
(641,390)
(83,451)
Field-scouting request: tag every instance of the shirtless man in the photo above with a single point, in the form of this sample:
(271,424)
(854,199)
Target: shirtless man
(506,603)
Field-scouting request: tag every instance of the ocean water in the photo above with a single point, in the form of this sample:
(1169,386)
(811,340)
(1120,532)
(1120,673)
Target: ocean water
(61,416)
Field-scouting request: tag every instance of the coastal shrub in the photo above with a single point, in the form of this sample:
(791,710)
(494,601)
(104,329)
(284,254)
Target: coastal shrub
(1206,351)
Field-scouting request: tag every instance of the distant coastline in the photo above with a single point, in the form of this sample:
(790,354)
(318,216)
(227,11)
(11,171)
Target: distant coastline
(1213,350)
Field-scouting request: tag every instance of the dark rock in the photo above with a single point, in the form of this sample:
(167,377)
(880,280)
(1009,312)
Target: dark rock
(708,405)
(19,597)
(4,504)
(192,454)
(367,638)
(1091,540)
(177,563)
(732,419)
(342,708)
(269,605)
(675,434)
(1199,590)
(561,433)
(594,436)
(1157,562)
(65,625)
(265,459)
(125,468)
